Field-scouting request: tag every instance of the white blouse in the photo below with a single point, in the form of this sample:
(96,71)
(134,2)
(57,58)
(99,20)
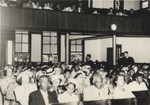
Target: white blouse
(65,97)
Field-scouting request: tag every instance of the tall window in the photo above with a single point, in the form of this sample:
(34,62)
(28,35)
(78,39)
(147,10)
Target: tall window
(76,50)
(22,46)
(50,46)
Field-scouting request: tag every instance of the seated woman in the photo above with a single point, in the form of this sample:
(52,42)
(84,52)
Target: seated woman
(68,95)
(121,90)
(138,83)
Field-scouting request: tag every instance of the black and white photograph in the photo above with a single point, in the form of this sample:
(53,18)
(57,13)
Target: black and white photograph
(74,52)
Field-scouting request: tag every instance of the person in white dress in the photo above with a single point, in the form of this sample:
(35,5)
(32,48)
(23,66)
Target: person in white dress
(138,83)
(121,90)
(68,95)
(22,92)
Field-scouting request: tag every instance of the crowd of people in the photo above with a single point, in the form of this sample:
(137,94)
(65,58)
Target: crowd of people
(42,84)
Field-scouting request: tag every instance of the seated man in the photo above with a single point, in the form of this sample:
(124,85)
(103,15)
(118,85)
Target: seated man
(41,96)
(138,84)
(97,90)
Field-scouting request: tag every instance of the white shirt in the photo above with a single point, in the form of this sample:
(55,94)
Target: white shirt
(92,93)
(135,86)
(122,93)
(45,96)
(65,97)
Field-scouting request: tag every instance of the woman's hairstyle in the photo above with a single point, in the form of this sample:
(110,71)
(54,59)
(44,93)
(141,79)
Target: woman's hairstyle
(116,79)
(136,75)
(71,83)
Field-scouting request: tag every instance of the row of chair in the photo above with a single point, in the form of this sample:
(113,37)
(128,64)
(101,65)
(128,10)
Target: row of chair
(142,98)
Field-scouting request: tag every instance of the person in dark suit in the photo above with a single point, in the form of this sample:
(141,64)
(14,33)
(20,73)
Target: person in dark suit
(42,96)
(128,61)
(89,61)
(121,60)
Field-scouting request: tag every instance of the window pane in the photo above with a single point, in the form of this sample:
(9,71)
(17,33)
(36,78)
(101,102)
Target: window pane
(18,47)
(54,49)
(79,41)
(46,49)
(55,40)
(18,38)
(25,38)
(46,33)
(25,32)
(46,40)
(53,34)
(73,47)
(73,42)
(18,31)
(24,47)
(79,48)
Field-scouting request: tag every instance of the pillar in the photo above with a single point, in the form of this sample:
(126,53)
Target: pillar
(114,49)
(67,48)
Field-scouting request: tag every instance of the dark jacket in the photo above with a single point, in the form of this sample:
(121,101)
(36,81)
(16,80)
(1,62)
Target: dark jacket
(36,98)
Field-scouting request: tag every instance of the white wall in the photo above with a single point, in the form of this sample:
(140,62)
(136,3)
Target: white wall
(98,48)
(103,3)
(138,48)
(105,43)
(128,4)
(93,47)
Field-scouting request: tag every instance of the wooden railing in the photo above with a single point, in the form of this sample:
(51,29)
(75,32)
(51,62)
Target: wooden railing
(35,19)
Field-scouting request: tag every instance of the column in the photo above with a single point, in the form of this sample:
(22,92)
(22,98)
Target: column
(67,48)
(114,49)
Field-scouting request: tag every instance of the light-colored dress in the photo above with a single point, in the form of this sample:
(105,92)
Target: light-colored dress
(65,98)
(22,93)
(92,93)
(3,86)
(122,93)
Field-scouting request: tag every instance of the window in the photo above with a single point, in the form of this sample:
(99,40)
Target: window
(22,46)
(50,46)
(144,4)
(76,50)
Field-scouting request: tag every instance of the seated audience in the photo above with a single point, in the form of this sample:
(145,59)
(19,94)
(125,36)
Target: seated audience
(61,83)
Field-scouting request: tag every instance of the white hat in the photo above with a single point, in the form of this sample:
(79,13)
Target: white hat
(40,73)
(50,71)
(24,73)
